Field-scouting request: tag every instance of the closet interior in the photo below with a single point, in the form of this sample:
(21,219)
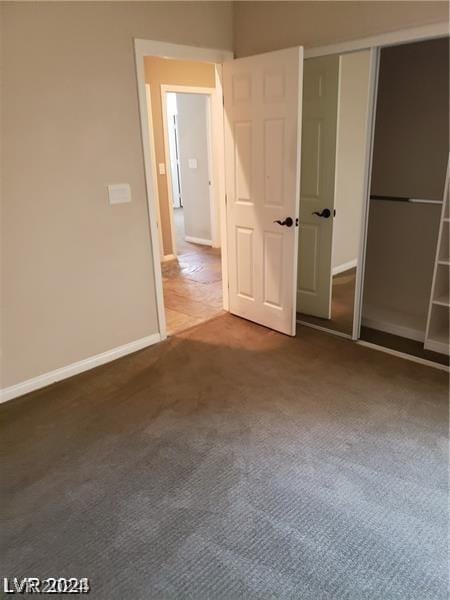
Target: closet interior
(405,302)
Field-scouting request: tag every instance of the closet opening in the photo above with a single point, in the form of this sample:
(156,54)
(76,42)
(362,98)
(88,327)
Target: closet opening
(405,303)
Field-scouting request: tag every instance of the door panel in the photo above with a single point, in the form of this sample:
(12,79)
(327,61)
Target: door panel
(244,262)
(320,109)
(262,99)
(274,147)
(273,269)
(309,245)
(243,162)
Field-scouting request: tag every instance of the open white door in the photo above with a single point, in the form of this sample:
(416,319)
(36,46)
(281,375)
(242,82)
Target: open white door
(262,112)
(320,112)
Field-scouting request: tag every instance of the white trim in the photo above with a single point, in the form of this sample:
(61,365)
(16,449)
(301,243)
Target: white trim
(180,51)
(80,366)
(393,38)
(167,160)
(219,152)
(148,97)
(168,257)
(196,240)
(148,150)
(400,330)
(359,283)
(351,264)
(301,75)
(411,357)
(347,336)
(144,48)
(430,343)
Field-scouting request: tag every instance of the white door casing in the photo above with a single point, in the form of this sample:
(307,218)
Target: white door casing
(174,154)
(320,110)
(262,114)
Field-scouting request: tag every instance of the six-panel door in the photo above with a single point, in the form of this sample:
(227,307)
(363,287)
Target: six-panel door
(262,99)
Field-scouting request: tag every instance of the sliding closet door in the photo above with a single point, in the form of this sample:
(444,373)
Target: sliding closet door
(320,112)
(408,172)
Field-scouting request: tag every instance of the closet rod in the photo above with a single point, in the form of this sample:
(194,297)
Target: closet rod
(401,199)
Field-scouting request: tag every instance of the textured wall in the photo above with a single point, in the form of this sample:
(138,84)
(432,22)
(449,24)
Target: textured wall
(264,26)
(77,274)
(175,72)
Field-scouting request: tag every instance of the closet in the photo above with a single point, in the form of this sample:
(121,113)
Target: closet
(437,332)
(405,303)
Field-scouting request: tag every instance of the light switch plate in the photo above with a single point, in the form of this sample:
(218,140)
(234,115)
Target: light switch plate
(119,193)
(162,168)
(192,162)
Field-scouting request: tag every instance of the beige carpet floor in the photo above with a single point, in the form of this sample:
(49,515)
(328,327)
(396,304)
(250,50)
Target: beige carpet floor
(232,462)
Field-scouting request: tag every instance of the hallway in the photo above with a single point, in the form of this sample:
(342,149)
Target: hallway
(192,283)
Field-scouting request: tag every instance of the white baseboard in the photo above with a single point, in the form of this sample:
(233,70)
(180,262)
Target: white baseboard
(168,257)
(195,240)
(78,367)
(351,264)
(402,331)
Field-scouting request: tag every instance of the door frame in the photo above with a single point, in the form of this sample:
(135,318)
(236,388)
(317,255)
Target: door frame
(375,44)
(213,165)
(143,48)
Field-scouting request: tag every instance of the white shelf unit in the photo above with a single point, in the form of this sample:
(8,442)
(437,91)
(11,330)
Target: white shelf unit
(438,326)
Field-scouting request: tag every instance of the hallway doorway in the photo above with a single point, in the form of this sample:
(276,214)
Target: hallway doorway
(192,280)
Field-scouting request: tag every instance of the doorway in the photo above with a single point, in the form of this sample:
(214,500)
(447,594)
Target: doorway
(255,148)
(187,142)
(185,138)
(192,280)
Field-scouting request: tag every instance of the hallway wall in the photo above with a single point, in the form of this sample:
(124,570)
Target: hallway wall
(192,127)
(175,72)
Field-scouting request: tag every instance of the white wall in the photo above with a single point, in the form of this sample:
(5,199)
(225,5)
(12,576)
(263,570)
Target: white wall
(352,134)
(193,143)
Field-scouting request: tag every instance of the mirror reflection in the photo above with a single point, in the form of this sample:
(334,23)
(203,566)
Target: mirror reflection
(335,130)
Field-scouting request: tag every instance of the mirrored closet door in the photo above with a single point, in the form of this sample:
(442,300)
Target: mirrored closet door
(337,96)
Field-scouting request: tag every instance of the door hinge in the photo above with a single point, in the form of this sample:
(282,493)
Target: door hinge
(226,199)
(223,100)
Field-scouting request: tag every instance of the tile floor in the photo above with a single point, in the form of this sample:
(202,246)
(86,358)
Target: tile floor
(192,283)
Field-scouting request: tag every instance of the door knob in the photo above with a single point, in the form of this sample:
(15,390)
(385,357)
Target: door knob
(326,213)
(288,222)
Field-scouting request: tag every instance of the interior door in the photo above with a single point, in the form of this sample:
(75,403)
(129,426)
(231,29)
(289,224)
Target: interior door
(262,112)
(320,110)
